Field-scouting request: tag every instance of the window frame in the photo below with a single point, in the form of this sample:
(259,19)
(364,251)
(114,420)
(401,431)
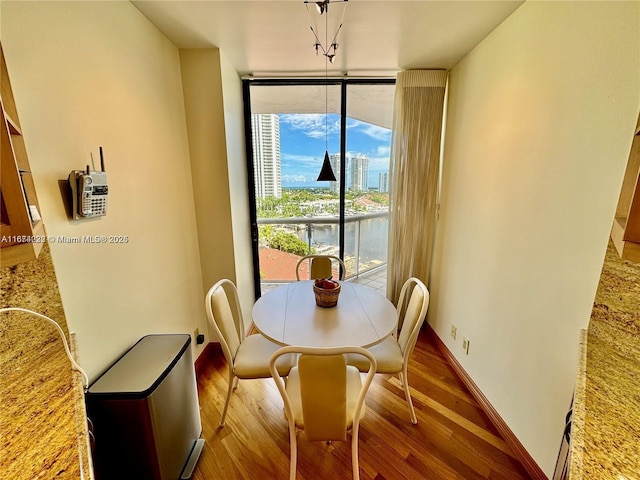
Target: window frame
(246,97)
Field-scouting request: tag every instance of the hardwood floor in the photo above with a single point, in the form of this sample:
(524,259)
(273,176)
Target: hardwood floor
(453,439)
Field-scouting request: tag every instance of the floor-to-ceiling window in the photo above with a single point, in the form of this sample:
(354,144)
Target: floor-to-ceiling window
(290,125)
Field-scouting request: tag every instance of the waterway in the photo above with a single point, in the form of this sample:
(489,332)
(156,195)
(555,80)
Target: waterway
(373,242)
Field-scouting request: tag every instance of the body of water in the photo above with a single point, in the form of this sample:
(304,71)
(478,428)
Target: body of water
(372,245)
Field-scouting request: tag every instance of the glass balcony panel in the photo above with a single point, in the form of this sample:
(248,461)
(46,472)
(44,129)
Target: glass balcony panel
(284,240)
(368,141)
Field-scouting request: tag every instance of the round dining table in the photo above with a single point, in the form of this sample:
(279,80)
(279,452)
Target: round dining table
(288,315)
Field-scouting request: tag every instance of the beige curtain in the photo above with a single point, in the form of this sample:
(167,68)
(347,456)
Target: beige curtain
(414,172)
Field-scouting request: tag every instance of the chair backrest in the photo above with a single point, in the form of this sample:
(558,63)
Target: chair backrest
(323,393)
(225,317)
(321,266)
(328,411)
(415,311)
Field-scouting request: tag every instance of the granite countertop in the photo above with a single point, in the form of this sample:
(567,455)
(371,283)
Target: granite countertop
(605,441)
(43,423)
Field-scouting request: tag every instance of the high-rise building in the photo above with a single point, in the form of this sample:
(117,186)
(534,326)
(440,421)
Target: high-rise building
(266,155)
(383,182)
(357,172)
(335,166)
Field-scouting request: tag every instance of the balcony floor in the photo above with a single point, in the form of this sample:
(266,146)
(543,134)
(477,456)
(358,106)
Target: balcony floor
(375,279)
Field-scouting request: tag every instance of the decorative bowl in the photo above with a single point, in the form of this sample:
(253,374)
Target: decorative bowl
(326,297)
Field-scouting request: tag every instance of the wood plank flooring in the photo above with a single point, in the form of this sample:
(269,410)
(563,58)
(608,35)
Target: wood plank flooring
(453,439)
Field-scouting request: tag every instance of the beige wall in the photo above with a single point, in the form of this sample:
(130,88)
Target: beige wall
(90,74)
(213,100)
(207,144)
(541,116)
(234,121)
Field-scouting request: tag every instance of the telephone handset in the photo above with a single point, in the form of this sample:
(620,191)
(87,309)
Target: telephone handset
(90,191)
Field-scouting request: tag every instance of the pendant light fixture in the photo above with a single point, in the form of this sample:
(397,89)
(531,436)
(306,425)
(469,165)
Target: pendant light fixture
(329,53)
(326,172)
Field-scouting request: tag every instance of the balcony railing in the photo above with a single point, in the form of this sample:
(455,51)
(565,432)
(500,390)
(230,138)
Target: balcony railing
(365,238)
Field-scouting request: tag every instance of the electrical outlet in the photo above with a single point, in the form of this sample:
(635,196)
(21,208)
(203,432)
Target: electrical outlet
(198,337)
(465,345)
(454,331)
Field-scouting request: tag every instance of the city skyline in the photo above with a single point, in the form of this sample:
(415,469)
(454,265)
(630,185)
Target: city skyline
(303,143)
(357,172)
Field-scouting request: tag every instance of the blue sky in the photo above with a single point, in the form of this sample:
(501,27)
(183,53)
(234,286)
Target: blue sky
(302,146)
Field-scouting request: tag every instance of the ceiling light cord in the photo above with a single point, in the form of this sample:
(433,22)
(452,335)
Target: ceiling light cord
(329,52)
(326,88)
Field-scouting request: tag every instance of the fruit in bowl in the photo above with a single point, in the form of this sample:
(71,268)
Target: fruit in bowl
(326,292)
(326,283)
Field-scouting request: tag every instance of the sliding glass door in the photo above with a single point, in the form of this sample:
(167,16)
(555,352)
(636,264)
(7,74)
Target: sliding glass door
(369,112)
(290,125)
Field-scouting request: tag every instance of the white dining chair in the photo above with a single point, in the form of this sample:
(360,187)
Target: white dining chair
(393,353)
(323,396)
(321,266)
(247,356)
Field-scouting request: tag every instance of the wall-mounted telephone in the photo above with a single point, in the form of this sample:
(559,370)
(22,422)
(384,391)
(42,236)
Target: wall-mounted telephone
(90,190)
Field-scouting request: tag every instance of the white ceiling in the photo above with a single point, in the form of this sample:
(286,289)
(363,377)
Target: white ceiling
(379,37)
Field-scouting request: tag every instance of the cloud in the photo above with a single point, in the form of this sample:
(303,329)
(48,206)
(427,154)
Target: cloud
(301,156)
(380,134)
(379,164)
(294,179)
(383,150)
(299,161)
(312,124)
(377,133)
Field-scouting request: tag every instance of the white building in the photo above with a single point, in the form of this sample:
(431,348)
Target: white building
(357,172)
(383,182)
(335,166)
(266,155)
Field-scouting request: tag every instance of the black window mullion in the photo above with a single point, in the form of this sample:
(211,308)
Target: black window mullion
(343,164)
(251,186)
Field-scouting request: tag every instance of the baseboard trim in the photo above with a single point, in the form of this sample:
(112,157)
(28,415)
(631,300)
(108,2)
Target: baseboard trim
(204,357)
(509,437)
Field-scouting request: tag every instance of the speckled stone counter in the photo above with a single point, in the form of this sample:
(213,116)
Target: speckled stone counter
(605,441)
(43,426)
